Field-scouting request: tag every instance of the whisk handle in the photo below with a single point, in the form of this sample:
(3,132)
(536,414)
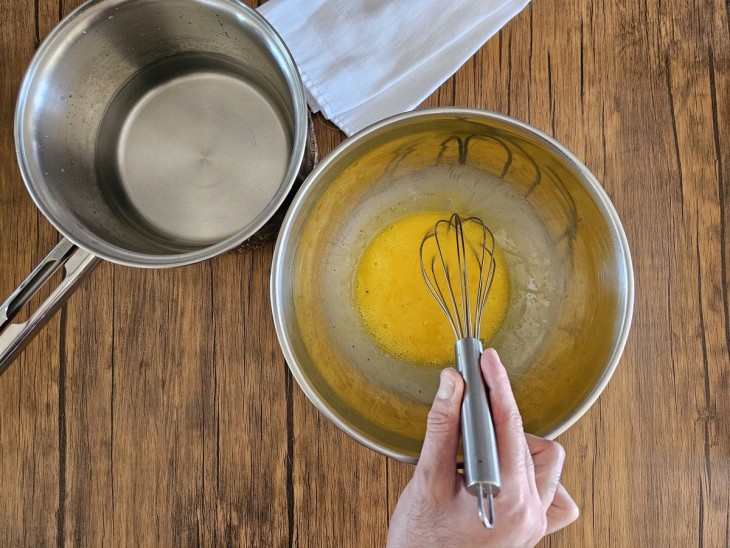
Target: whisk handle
(481,464)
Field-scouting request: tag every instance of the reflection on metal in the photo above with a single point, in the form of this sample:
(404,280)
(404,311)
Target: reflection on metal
(514,150)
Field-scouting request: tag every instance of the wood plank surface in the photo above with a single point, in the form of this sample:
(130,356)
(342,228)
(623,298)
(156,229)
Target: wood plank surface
(156,407)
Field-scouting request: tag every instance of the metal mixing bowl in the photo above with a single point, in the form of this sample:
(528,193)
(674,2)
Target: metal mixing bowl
(571,280)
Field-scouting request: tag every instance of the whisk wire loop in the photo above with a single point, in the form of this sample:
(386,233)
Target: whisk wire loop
(456,317)
(450,237)
(461,259)
(435,290)
(433,285)
(485,280)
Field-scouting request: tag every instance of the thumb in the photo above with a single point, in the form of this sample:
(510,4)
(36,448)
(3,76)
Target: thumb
(437,464)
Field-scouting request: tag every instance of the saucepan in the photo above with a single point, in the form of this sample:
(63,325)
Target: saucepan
(153,133)
(571,289)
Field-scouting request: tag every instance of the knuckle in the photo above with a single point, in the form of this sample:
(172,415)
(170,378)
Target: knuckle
(521,503)
(555,451)
(574,514)
(439,421)
(501,378)
(514,420)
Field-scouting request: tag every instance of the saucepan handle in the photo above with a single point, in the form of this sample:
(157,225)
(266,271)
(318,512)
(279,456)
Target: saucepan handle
(77,264)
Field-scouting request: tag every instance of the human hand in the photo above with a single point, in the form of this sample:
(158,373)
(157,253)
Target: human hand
(435,508)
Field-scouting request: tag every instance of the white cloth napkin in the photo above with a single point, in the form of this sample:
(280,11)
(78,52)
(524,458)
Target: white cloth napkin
(364,60)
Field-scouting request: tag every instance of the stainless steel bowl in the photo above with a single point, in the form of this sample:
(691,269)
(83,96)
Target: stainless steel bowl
(571,280)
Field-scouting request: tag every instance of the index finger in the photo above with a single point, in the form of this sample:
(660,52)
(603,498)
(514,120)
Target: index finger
(511,445)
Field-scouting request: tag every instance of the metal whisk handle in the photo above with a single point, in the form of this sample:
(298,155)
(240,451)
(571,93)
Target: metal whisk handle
(481,464)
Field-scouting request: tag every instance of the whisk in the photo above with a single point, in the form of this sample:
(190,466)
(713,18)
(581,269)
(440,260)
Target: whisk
(457,263)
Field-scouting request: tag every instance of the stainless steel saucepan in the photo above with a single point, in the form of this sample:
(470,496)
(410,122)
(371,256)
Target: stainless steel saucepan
(153,133)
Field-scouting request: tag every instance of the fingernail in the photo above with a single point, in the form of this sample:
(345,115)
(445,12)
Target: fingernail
(446,387)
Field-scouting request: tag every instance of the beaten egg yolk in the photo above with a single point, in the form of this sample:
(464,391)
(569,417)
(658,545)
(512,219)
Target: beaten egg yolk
(397,309)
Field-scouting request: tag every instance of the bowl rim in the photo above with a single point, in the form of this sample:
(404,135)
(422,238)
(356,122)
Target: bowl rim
(592,185)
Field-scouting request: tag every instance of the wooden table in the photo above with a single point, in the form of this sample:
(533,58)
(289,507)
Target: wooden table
(157,409)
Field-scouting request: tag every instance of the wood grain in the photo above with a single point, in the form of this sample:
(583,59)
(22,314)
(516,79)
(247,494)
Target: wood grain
(156,407)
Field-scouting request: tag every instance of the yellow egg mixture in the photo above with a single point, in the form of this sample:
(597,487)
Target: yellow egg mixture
(394,302)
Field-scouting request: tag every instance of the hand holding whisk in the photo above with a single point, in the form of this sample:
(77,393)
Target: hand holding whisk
(457,263)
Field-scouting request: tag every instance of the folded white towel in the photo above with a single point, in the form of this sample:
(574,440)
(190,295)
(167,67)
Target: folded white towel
(364,60)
